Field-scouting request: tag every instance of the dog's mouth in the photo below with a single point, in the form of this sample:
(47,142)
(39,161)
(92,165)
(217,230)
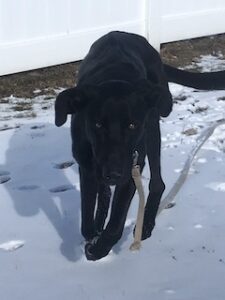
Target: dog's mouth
(121,174)
(112,183)
(113,178)
(117,178)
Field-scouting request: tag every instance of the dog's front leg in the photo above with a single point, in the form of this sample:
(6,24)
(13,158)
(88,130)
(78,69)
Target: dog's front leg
(156,185)
(101,246)
(88,187)
(104,194)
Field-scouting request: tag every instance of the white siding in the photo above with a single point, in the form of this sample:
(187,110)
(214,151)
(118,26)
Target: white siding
(40,33)
(188,19)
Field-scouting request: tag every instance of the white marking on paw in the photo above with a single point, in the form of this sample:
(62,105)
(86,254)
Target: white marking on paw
(12,245)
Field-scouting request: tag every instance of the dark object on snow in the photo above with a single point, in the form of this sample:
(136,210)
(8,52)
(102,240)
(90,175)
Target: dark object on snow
(122,92)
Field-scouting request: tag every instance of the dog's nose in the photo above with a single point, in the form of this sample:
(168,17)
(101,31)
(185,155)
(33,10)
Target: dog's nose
(113,176)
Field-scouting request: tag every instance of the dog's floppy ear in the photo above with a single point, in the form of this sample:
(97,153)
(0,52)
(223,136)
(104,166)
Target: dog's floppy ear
(69,102)
(157,96)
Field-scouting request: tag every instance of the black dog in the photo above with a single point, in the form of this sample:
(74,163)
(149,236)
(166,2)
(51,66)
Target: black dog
(121,93)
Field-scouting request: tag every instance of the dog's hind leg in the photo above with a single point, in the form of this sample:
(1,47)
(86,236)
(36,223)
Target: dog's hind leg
(88,186)
(156,185)
(104,195)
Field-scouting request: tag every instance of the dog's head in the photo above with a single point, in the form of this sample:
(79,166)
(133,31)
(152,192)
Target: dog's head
(114,118)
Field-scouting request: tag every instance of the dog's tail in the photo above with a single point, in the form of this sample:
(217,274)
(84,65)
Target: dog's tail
(202,81)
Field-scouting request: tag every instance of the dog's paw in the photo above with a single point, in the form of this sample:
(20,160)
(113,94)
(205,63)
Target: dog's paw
(95,249)
(90,255)
(146,231)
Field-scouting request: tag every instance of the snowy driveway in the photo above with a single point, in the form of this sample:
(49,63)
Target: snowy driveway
(40,215)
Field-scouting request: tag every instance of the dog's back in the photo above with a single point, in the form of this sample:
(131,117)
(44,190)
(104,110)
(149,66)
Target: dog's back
(118,56)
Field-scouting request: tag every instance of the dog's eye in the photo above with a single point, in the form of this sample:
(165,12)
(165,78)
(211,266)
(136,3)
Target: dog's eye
(132,126)
(98,125)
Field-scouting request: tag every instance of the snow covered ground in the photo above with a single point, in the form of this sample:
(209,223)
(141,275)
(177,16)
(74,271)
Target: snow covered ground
(41,251)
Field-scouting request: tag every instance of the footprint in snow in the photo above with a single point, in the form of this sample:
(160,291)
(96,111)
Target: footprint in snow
(170,205)
(64,165)
(3,173)
(37,127)
(4,179)
(37,135)
(28,187)
(62,188)
(4,176)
